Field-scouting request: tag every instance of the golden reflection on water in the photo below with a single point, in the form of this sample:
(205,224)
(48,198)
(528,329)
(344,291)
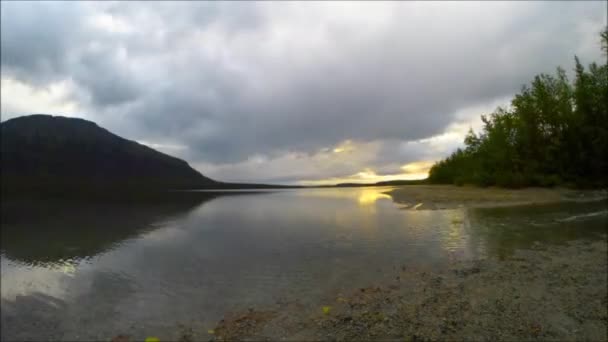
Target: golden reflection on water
(370,196)
(342,192)
(367,196)
(453,235)
(419,220)
(344,217)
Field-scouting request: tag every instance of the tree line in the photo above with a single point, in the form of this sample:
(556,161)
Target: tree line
(555,132)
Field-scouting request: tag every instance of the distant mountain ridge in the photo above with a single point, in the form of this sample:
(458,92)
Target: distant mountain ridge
(40,152)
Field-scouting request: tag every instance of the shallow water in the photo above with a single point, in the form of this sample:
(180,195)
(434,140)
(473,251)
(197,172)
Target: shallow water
(90,271)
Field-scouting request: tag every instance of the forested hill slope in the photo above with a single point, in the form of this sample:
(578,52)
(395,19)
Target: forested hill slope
(42,152)
(554,132)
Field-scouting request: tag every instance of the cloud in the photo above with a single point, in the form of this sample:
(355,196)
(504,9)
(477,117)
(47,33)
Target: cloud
(37,39)
(19,97)
(236,82)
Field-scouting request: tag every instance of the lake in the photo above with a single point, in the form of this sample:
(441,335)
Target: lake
(75,270)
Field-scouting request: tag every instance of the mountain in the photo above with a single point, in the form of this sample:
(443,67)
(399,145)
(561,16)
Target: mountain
(44,152)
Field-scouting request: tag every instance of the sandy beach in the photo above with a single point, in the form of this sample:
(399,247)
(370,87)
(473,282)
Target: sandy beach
(430,197)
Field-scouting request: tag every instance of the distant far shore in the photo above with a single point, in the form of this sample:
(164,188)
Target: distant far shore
(415,194)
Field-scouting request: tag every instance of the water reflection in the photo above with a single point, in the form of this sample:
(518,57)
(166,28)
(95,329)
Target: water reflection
(453,234)
(94,270)
(364,196)
(369,196)
(501,231)
(39,232)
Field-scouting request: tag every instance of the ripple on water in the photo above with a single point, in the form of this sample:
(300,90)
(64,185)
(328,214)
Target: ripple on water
(142,267)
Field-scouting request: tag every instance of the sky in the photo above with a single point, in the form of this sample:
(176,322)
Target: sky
(288,93)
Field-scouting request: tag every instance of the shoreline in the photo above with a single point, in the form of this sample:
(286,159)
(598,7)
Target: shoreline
(550,293)
(437,197)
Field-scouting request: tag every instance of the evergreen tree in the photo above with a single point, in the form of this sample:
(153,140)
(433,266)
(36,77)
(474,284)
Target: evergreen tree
(554,132)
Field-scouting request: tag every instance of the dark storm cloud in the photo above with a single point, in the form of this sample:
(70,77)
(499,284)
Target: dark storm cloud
(47,42)
(232,80)
(36,37)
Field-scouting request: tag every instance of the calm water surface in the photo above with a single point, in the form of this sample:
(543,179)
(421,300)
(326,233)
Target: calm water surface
(78,271)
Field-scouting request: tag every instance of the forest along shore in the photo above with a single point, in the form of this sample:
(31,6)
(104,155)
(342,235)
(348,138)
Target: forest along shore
(431,197)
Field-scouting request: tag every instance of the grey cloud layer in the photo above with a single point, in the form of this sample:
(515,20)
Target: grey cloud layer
(230,80)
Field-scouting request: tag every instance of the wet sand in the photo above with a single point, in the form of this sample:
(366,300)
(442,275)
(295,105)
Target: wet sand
(556,293)
(431,197)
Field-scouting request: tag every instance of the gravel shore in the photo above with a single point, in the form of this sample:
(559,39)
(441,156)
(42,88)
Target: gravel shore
(555,293)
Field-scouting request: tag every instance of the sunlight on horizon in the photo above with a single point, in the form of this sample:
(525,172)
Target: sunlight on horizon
(412,171)
(370,196)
